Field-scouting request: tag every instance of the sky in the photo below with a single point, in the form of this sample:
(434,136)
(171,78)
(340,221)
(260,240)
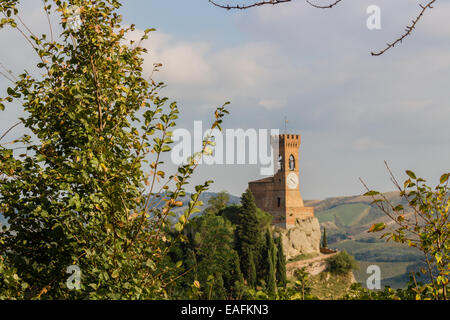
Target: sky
(308,65)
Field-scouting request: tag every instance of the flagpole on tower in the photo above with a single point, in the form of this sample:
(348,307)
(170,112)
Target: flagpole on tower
(285,125)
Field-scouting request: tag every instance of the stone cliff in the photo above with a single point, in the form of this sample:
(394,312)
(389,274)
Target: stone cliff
(303,238)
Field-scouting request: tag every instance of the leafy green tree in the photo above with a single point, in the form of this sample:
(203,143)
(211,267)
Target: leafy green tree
(75,196)
(213,243)
(302,283)
(217,203)
(232,213)
(324,239)
(208,257)
(342,263)
(423,224)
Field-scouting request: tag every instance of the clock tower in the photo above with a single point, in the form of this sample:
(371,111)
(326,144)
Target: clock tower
(280,194)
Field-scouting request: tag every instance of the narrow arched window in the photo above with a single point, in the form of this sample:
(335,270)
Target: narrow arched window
(291,163)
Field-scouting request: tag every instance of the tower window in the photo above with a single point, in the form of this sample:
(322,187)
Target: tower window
(291,163)
(280,162)
(279,202)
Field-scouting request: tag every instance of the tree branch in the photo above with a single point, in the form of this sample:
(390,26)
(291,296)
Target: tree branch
(408,29)
(7,131)
(324,7)
(243,7)
(97,89)
(46,9)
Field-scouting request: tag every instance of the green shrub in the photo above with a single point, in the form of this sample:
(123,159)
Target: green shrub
(342,263)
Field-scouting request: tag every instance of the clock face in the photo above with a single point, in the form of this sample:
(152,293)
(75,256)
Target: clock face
(292,180)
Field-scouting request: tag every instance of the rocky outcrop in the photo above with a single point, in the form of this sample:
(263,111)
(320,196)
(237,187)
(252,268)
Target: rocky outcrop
(313,266)
(303,238)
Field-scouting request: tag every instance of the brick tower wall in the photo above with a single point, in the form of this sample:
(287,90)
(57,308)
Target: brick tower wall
(272,194)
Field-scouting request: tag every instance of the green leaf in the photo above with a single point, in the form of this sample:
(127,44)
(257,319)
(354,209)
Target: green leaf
(166,148)
(178,227)
(115,274)
(411,174)
(377,227)
(10,91)
(151,264)
(444,178)
(40,158)
(371,193)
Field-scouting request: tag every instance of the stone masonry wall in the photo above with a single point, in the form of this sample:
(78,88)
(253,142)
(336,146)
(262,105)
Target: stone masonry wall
(304,237)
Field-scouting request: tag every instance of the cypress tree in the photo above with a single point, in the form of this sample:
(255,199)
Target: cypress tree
(236,268)
(281,263)
(233,278)
(324,239)
(270,264)
(250,267)
(219,292)
(247,228)
(247,236)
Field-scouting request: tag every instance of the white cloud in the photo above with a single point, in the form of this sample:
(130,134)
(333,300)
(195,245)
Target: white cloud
(365,143)
(254,71)
(273,103)
(184,63)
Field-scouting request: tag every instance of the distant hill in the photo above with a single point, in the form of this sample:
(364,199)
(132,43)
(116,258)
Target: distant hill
(347,220)
(204,197)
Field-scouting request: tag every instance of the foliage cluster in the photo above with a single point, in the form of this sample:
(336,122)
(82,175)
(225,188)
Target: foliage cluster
(229,251)
(341,263)
(97,130)
(423,224)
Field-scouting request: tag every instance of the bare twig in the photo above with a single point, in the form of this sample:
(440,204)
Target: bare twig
(48,19)
(324,7)
(382,208)
(25,26)
(272,2)
(403,193)
(9,72)
(243,7)
(7,131)
(408,29)
(6,77)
